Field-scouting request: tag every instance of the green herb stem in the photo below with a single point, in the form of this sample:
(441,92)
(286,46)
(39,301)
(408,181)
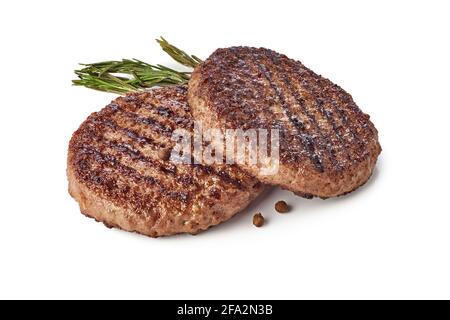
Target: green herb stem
(130,75)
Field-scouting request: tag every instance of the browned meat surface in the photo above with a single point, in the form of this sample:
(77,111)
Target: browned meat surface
(119,170)
(328,146)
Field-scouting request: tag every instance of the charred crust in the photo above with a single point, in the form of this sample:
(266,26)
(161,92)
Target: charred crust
(328,145)
(119,157)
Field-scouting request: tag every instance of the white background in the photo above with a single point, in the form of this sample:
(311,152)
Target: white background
(390,239)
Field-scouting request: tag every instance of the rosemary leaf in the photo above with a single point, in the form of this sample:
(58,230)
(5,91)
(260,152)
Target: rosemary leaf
(128,75)
(179,55)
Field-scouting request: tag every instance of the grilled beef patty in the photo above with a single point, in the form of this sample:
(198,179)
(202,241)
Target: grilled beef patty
(328,146)
(120,174)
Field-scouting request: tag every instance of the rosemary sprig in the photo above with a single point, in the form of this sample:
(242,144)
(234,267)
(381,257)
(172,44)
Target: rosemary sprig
(129,75)
(179,55)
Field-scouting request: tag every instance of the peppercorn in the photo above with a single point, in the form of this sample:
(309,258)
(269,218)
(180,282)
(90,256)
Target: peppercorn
(281,207)
(258,220)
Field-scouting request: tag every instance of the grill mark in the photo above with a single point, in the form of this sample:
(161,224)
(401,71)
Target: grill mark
(172,110)
(183,178)
(225,177)
(301,102)
(128,132)
(305,139)
(331,121)
(275,123)
(165,167)
(135,154)
(343,96)
(344,118)
(154,124)
(319,106)
(163,111)
(168,109)
(325,112)
(244,69)
(228,179)
(126,171)
(208,170)
(168,114)
(170,169)
(144,200)
(352,135)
